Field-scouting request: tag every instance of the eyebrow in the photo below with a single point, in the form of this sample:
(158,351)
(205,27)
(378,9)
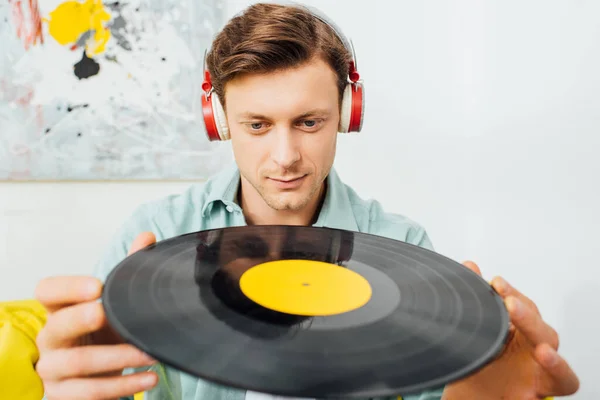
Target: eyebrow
(310,113)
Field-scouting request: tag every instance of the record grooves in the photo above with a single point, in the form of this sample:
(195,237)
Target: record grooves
(239,307)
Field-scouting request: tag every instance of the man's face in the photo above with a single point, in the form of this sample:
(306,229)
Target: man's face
(283,128)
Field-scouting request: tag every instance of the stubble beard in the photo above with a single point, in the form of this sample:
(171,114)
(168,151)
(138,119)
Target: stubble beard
(281,202)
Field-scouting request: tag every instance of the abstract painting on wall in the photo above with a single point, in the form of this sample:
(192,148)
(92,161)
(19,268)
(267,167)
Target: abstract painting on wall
(105,89)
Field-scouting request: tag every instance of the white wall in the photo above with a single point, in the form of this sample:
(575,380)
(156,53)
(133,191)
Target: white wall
(483,124)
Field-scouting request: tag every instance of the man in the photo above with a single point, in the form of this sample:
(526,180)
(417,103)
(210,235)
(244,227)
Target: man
(280,74)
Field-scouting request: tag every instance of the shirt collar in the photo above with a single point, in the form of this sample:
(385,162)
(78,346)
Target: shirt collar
(336,211)
(223,188)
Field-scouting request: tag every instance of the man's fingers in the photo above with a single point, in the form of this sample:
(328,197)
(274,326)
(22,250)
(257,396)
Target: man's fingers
(505,289)
(103,388)
(529,323)
(472,266)
(143,240)
(58,292)
(559,379)
(90,360)
(67,325)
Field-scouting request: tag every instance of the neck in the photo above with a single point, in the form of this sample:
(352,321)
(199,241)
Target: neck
(258,212)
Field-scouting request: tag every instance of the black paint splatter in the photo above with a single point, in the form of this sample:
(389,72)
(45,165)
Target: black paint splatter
(86,67)
(71,108)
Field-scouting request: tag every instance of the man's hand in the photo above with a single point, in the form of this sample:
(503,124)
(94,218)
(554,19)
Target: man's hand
(80,356)
(529,367)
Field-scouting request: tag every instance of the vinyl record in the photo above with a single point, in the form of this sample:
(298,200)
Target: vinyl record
(306,312)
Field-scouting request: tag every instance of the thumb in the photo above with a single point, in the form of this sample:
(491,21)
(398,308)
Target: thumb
(472,266)
(143,240)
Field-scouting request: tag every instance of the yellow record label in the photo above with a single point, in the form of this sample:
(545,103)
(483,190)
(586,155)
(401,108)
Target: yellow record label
(305,287)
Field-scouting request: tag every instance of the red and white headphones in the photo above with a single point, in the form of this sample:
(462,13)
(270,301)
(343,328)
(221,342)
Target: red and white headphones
(352,109)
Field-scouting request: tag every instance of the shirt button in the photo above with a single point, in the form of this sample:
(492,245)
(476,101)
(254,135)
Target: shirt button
(229,208)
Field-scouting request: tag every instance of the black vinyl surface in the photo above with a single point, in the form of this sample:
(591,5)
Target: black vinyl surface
(429,321)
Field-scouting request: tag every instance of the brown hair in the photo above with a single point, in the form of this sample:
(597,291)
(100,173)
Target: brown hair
(270,37)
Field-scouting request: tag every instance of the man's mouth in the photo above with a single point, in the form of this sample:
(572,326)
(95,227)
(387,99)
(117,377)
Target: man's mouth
(288,182)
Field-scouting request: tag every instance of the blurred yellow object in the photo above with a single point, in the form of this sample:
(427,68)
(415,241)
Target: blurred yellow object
(20,322)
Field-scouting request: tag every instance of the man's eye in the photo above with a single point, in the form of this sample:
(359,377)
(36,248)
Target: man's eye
(257,127)
(310,123)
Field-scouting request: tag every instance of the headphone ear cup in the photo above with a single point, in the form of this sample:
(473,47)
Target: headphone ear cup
(215,122)
(352,109)
(220,118)
(358,107)
(208,117)
(346,110)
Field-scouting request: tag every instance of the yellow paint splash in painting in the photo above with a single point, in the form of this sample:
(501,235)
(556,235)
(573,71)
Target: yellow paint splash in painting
(72,19)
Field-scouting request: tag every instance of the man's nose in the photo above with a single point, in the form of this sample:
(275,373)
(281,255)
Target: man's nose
(285,151)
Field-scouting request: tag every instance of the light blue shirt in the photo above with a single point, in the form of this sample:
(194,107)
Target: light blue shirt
(213,205)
